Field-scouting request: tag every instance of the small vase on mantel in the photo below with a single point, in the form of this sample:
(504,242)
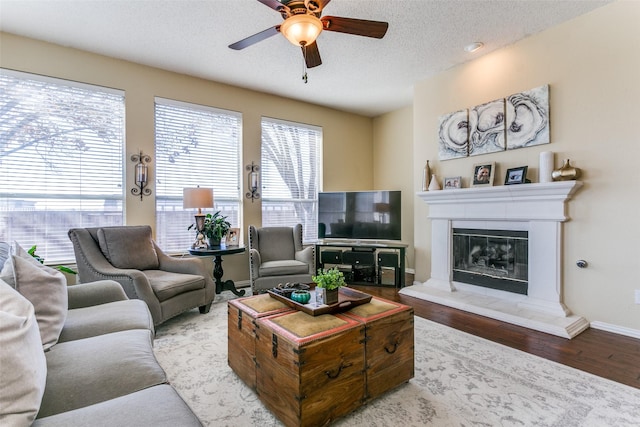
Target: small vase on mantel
(566,172)
(426,176)
(434,185)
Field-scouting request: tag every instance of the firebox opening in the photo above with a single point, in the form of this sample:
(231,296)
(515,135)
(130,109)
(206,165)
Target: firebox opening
(496,259)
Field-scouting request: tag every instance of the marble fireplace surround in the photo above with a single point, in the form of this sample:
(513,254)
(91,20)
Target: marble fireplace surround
(539,209)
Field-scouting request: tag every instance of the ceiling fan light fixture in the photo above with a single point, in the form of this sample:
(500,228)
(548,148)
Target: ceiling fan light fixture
(302,29)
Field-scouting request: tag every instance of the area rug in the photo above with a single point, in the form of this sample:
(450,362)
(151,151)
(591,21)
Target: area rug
(460,380)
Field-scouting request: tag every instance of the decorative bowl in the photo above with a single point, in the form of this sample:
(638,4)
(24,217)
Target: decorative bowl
(301,296)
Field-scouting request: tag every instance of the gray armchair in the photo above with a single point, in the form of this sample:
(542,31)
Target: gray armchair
(130,256)
(276,256)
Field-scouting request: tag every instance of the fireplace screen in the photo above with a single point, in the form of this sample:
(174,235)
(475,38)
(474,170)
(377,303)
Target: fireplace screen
(495,259)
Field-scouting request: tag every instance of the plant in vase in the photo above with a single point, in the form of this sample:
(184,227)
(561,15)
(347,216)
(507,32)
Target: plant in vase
(327,284)
(69,274)
(215,228)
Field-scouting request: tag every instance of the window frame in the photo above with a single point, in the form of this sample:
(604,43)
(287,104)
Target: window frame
(310,225)
(55,207)
(231,205)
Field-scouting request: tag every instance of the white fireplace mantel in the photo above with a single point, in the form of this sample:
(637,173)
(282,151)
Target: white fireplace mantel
(539,209)
(535,202)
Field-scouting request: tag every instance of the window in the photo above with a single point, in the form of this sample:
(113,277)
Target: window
(195,146)
(290,175)
(61,159)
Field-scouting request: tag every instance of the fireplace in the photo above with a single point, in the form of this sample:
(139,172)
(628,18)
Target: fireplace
(470,226)
(494,259)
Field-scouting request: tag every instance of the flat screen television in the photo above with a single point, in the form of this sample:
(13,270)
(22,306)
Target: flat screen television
(373,215)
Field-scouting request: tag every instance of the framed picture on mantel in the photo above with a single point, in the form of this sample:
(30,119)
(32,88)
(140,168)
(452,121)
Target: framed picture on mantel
(516,176)
(483,174)
(452,182)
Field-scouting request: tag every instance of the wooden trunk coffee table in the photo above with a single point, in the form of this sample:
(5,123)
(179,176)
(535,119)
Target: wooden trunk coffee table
(311,370)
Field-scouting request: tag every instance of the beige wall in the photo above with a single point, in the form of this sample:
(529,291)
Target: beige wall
(346,136)
(392,163)
(593,68)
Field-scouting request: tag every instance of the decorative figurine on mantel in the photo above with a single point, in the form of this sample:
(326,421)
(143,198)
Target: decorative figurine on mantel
(434,185)
(426,176)
(566,172)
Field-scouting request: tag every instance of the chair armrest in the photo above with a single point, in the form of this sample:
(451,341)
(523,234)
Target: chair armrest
(255,261)
(95,293)
(306,256)
(184,265)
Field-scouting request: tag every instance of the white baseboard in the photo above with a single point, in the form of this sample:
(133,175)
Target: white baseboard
(621,330)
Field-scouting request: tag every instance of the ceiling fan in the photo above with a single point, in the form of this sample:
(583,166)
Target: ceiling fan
(303,24)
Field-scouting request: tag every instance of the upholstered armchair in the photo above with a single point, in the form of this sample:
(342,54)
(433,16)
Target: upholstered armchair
(130,256)
(276,256)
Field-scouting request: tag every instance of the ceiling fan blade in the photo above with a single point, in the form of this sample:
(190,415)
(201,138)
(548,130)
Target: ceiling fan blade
(312,55)
(358,27)
(251,40)
(273,4)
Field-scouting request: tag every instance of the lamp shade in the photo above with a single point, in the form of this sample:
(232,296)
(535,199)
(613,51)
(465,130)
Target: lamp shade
(197,198)
(301,30)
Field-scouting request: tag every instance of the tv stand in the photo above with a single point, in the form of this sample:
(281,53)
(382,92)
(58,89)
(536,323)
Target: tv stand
(378,264)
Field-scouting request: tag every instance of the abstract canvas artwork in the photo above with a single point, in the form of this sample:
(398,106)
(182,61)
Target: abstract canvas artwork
(520,120)
(453,135)
(527,116)
(487,128)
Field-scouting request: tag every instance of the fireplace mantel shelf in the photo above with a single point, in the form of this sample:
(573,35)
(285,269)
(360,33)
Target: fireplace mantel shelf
(540,209)
(540,201)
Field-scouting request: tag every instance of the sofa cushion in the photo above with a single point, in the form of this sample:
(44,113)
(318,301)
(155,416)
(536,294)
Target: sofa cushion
(23,369)
(283,268)
(92,370)
(167,285)
(129,247)
(158,406)
(106,318)
(46,289)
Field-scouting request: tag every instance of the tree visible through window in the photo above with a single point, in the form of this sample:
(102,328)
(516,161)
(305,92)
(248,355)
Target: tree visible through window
(61,159)
(290,175)
(195,146)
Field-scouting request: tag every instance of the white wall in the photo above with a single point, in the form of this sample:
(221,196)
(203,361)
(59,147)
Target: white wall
(592,65)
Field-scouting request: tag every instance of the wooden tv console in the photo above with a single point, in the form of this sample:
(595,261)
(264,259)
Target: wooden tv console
(378,264)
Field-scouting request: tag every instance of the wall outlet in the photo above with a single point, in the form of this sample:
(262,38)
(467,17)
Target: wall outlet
(637,296)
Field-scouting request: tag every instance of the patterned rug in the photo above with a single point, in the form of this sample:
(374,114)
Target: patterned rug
(460,380)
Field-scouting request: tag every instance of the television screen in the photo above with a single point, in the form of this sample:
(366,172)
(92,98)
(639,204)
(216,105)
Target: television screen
(374,215)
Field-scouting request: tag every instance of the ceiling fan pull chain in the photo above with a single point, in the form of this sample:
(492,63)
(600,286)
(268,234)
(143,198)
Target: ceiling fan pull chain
(305,79)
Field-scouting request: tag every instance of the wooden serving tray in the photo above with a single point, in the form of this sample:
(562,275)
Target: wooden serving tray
(347,299)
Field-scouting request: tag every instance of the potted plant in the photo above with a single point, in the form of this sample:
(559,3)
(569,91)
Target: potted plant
(215,228)
(327,284)
(69,274)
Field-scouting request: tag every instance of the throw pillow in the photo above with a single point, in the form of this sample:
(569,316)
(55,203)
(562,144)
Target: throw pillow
(23,368)
(129,247)
(46,289)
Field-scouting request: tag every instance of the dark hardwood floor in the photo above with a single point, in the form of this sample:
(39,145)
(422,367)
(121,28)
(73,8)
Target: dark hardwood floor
(601,353)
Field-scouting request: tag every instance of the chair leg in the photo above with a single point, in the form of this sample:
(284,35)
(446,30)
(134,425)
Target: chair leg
(204,309)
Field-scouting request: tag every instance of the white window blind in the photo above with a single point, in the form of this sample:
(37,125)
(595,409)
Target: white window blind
(195,146)
(61,159)
(290,175)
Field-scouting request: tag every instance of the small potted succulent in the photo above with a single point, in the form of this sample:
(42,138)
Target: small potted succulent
(328,282)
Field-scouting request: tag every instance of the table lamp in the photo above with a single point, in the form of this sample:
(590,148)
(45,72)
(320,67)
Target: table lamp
(198,198)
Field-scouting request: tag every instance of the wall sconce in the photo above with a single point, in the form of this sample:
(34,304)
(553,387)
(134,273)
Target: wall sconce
(141,174)
(252,182)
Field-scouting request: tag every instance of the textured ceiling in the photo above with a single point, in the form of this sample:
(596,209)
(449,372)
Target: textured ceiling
(358,74)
